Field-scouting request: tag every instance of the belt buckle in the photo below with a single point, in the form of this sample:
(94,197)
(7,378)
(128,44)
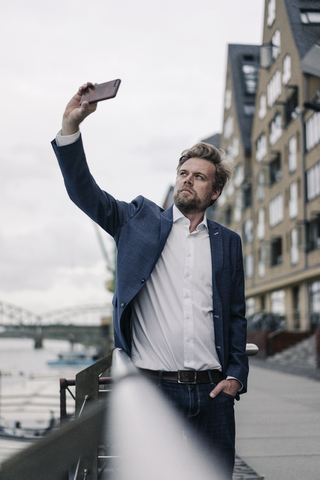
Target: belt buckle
(187,381)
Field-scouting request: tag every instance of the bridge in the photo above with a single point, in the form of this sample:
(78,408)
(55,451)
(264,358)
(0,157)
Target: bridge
(85,315)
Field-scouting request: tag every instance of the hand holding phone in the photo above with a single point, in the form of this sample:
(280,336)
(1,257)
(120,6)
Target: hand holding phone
(102,91)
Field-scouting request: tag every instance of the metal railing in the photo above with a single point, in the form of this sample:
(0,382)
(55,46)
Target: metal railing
(108,427)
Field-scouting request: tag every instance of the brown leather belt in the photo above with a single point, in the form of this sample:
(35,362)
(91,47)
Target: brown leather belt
(185,376)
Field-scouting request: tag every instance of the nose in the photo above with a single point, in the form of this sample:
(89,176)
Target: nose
(189,179)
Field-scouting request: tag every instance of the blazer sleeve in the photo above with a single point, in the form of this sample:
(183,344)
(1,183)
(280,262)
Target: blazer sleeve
(100,206)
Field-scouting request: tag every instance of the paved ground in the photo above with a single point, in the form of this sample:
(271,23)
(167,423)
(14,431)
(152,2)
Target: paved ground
(278,420)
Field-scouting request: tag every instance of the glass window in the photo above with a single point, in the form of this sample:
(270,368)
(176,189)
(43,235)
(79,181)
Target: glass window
(276,44)
(293,202)
(314,234)
(248,231)
(250,72)
(277,299)
(227,99)
(315,303)
(276,210)
(261,184)
(262,261)
(239,175)
(292,154)
(294,251)
(276,251)
(249,265)
(262,106)
(271,12)
(275,129)
(261,147)
(238,206)
(230,188)
(274,88)
(275,173)
(313,131)
(250,308)
(260,225)
(313,182)
(286,74)
(228,128)
(309,16)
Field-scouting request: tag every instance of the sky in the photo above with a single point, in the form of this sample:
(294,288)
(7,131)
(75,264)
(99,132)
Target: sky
(171,58)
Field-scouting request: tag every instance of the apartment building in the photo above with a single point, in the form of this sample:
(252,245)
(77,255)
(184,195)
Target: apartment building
(271,129)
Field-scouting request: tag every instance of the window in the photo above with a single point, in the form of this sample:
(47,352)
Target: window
(262,261)
(233,149)
(313,182)
(247,196)
(313,131)
(309,16)
(286,74)
(275,129)
(262,106)
(291,106)
(261,184)
(277,299)
(228,128)
(314,234)
(250,309)
(238,206)
(260,225)
(276,210)
(248,109)
(294,251)
(249,265)
(271,12)
(239,175)
(276,251)
(227,99)
(261,147)
(230,188)
(250,72)
(293,202)
(274,88)
(275,170)
(222,199)
(248,231)
(228,215)
(276,45)
(292,160)
(314,290)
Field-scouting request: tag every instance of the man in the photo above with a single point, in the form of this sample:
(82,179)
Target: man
(179,301)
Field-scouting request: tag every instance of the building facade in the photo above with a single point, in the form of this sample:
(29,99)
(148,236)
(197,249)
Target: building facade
(271,130)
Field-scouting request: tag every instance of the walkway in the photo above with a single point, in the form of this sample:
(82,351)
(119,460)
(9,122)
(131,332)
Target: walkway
(278,422)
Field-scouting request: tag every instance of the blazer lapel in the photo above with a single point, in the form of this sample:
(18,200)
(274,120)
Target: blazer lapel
(166,220)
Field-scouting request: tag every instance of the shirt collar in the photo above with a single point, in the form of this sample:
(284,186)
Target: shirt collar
(177,215)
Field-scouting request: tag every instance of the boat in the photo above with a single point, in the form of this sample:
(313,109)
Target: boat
(83,357)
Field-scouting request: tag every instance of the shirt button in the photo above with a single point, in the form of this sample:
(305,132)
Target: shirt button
(122,304)
(143,280)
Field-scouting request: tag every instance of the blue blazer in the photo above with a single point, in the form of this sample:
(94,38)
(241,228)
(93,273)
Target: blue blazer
(140,229)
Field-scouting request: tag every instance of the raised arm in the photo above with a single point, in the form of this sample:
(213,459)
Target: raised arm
(74,114)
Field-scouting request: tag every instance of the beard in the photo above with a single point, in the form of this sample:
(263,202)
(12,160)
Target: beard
(191,204)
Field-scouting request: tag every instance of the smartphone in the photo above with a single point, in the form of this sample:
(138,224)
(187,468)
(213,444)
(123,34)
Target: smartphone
(102,91)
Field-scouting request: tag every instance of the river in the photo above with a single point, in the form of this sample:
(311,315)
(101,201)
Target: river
(29,387)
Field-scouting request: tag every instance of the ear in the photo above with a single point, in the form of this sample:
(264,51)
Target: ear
(215,194)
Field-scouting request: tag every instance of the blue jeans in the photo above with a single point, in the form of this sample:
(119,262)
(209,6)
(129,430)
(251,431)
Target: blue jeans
(210,419)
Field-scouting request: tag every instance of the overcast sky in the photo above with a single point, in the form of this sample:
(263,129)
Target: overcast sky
(171,57)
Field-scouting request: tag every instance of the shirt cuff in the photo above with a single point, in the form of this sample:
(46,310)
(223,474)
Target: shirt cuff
(234,378)
(63,140)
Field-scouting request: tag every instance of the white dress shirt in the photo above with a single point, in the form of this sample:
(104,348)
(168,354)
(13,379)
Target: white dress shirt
(172,323)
